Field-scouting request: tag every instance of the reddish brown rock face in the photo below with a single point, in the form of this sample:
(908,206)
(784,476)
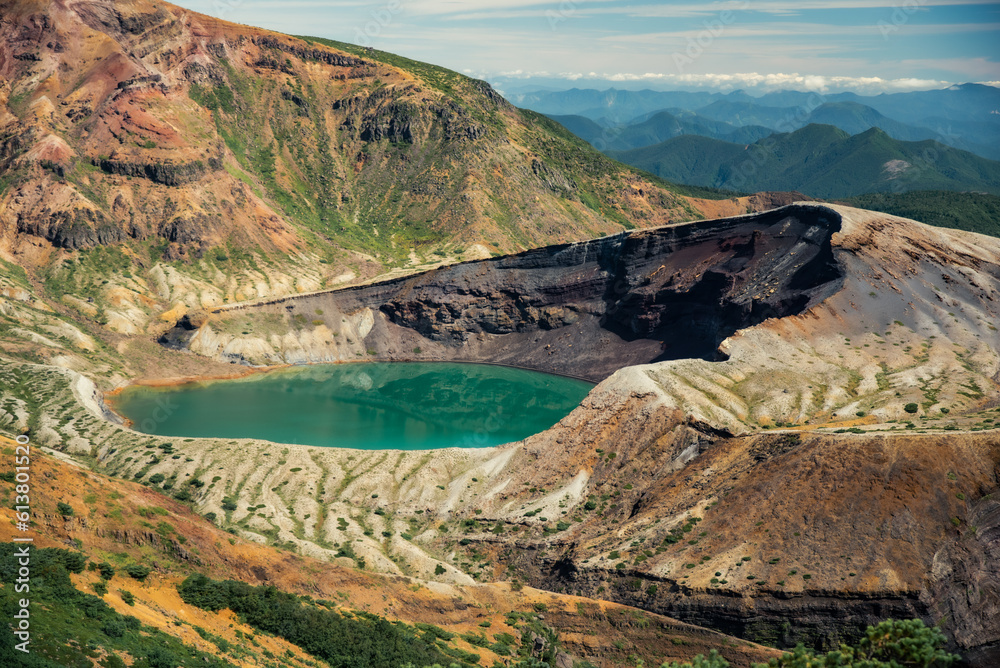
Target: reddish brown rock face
(209,132)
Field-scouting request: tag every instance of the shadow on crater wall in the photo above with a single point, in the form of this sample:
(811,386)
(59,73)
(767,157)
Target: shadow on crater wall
(590,308)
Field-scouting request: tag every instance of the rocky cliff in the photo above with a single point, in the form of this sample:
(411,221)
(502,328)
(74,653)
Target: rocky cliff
(584,309)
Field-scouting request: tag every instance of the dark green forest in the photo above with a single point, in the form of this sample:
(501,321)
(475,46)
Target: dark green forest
(972,212)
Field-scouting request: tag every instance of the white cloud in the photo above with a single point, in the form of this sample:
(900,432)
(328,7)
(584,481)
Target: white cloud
(750,80)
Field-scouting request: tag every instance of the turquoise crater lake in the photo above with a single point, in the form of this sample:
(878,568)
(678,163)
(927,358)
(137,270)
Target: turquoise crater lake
(371,406)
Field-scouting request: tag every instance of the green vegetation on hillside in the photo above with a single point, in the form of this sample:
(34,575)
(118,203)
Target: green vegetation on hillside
(359,641)
(71,628)
(972,212)
(445,80)
(818,160)
(891,644)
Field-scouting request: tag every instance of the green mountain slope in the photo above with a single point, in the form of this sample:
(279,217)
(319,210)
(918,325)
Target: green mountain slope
(973,212)
(818,160)
(855,118)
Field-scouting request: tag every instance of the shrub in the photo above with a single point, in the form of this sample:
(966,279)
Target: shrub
(157,478)
(500,649)
(64,509)
(891,643)
(107,570)
(74,562)
(113,628)
(157,657)
(713,660)
(911,408)
(127,596)
(138,571)
(440,570)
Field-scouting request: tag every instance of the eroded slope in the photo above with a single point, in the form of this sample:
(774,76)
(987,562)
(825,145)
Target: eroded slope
(125,524)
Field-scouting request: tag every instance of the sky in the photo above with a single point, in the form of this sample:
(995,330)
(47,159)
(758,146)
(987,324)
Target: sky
(867,46)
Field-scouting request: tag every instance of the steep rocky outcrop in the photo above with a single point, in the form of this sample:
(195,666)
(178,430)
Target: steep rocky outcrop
(167,174)
(584,309)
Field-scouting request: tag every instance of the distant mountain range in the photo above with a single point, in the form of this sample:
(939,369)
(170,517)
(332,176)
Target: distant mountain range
(966,116)
(657,128)
(819,160)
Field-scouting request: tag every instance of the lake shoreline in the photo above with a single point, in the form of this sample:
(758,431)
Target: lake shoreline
(446,400)
(254,370)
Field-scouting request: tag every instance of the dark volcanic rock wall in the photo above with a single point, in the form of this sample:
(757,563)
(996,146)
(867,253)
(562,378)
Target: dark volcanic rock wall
(818,619)
(590,308)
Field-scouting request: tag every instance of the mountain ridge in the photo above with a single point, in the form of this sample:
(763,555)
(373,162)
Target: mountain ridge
(819,160)
(959,116)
